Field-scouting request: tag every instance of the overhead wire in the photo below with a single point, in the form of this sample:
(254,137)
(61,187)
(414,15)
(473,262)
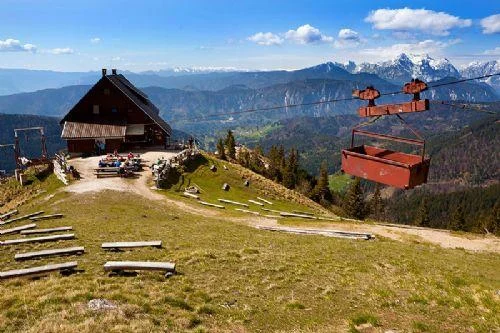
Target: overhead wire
(278,107)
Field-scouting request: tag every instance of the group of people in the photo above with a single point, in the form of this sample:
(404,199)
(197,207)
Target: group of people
(115,160)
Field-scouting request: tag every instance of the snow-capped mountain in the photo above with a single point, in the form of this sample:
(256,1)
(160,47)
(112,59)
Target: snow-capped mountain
(478,68)
(405,67)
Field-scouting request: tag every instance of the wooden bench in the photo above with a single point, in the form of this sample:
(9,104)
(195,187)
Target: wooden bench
(47,253)
(121,266)
(264,200)
(233,202)
(8,214)
(45,231)
(127,245)
(38,239)
(24,217)
(211,204)
(46,217)
(17,229)
(256,202)
(63,268)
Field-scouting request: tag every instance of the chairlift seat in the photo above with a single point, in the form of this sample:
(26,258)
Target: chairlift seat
(385,166)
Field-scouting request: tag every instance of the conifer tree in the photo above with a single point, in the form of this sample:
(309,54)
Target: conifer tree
(230,145)
(354,202)
(322,191)
(457,221)
(221,149)
(423,219)
(376,203)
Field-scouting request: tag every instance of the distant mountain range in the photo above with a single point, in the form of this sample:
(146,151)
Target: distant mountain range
(188,110)
(401,69)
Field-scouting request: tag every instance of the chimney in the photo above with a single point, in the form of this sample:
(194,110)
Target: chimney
(113,71)
(104,72)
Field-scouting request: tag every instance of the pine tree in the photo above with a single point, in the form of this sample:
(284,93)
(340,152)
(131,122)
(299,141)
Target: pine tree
(274,164)
(423,219)
(376,204)
(354,202)
(492,220)
(291,170)
(230,145)
(322,193)
(457,221)
(221,149)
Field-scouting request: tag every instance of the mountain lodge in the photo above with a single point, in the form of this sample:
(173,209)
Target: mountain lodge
(114,115)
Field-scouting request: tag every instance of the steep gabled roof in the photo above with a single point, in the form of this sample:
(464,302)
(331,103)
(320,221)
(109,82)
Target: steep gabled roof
(137,97)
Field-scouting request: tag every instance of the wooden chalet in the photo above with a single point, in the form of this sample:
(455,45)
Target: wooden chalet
(114,115)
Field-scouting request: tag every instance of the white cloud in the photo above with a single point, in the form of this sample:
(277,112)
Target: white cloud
(14,45)
(347,38)
(491,24)
(406,19)
(95,40)
(116,59)
(64,50)
(307,34)
(428,46)
(494,52)
(266,38)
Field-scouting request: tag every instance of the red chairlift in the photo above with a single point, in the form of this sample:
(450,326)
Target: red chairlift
(381,165)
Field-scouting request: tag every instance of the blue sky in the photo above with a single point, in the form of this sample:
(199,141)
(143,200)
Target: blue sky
(151,35)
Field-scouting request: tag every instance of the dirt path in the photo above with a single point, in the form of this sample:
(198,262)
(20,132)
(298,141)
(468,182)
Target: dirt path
(140,186)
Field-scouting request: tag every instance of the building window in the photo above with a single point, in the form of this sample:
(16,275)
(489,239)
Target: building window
(106,92)
(114,110)
(95,109)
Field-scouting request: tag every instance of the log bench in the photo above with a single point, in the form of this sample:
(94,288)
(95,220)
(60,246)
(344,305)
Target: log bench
(256,202)
(17,229)
(38,239)
(45,231)
(8,214)
(24,217)
(64,268)
(53,252)
(127,245)
(46,217)
(119,267)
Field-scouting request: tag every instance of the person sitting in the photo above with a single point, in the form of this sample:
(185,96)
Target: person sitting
(130,156)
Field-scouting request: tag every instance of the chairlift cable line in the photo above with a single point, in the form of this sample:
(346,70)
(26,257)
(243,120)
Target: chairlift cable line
(277,107)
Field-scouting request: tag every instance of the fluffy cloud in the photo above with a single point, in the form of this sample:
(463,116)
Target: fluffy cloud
(347,38)
(494,52)
(307,34)
(64,50)
(95,40)
(491,24)
(266,38)
(14,45)
(405,19)
(428,46)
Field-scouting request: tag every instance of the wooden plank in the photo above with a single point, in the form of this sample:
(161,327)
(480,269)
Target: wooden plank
(46,217)
(191,195)
(17,229)
(24,217)
(271,210)
(264,200)
(39,270)
(233,202)
(211,204)
(302,213)
(38,239)
(48,253)
(256,202)
(8,214)
(321,232)
(272,216)
(45,231)
(297,215)
(118,245)
(247,211)
(139,265)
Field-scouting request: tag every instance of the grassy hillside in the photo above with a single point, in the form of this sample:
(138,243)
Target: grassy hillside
(236,278)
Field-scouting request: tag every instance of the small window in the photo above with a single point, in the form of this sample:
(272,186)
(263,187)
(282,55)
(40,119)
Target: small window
(114,110)
(95,109)
(106,92)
